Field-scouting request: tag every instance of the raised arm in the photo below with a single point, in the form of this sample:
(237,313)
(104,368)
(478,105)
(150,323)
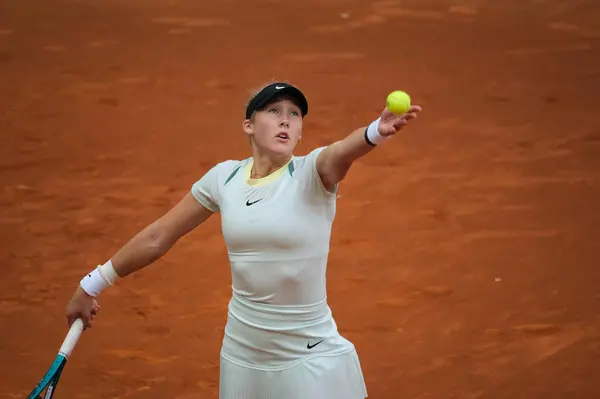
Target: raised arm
(334,161)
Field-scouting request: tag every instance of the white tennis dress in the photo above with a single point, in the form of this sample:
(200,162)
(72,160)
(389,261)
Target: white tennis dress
(281,341)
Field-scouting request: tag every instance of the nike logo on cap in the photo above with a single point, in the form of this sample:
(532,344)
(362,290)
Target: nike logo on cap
(280,87)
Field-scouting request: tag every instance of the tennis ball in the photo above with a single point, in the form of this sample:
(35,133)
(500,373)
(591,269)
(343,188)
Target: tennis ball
(398,102)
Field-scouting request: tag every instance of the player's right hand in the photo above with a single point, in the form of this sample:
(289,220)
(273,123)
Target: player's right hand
(82,306)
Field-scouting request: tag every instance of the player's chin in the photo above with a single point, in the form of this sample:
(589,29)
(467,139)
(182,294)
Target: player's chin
(283,146)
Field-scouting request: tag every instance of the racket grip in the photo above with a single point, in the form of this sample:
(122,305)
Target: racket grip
(71,338)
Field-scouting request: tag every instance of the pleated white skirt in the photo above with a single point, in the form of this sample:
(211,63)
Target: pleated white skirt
(320,377)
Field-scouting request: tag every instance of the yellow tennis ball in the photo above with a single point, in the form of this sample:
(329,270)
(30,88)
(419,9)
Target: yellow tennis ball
(398,102)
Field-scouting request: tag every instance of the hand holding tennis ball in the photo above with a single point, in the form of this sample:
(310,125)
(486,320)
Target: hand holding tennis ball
(397,113)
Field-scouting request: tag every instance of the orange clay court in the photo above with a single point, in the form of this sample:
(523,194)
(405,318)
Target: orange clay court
(465,254)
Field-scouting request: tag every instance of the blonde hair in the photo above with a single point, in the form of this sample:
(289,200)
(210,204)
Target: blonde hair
(253,93)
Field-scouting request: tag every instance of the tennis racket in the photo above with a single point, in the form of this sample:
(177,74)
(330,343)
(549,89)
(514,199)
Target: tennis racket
(52,376)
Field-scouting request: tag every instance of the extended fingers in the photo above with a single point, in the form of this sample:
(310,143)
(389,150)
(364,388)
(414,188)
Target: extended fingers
(409,116)
(412,112)
(391,123)
(403,120)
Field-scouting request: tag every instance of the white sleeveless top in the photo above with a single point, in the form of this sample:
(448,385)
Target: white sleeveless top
(277,231)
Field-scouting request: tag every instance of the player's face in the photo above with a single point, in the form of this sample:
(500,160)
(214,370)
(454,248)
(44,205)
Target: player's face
(277,127)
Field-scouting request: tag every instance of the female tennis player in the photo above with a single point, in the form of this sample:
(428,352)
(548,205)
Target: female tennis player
(277,210)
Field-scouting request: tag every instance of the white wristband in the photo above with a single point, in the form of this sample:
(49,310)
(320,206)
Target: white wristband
(372,135)
(109,272)
(100,278)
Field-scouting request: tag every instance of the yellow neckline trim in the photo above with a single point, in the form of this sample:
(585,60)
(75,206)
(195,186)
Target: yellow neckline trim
(263,180)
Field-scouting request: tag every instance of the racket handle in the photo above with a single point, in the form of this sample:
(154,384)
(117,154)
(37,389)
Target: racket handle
(71,338)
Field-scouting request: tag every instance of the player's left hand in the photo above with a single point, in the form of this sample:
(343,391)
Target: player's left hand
(391,123)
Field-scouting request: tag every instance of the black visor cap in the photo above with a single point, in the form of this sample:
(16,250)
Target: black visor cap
(275,89)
